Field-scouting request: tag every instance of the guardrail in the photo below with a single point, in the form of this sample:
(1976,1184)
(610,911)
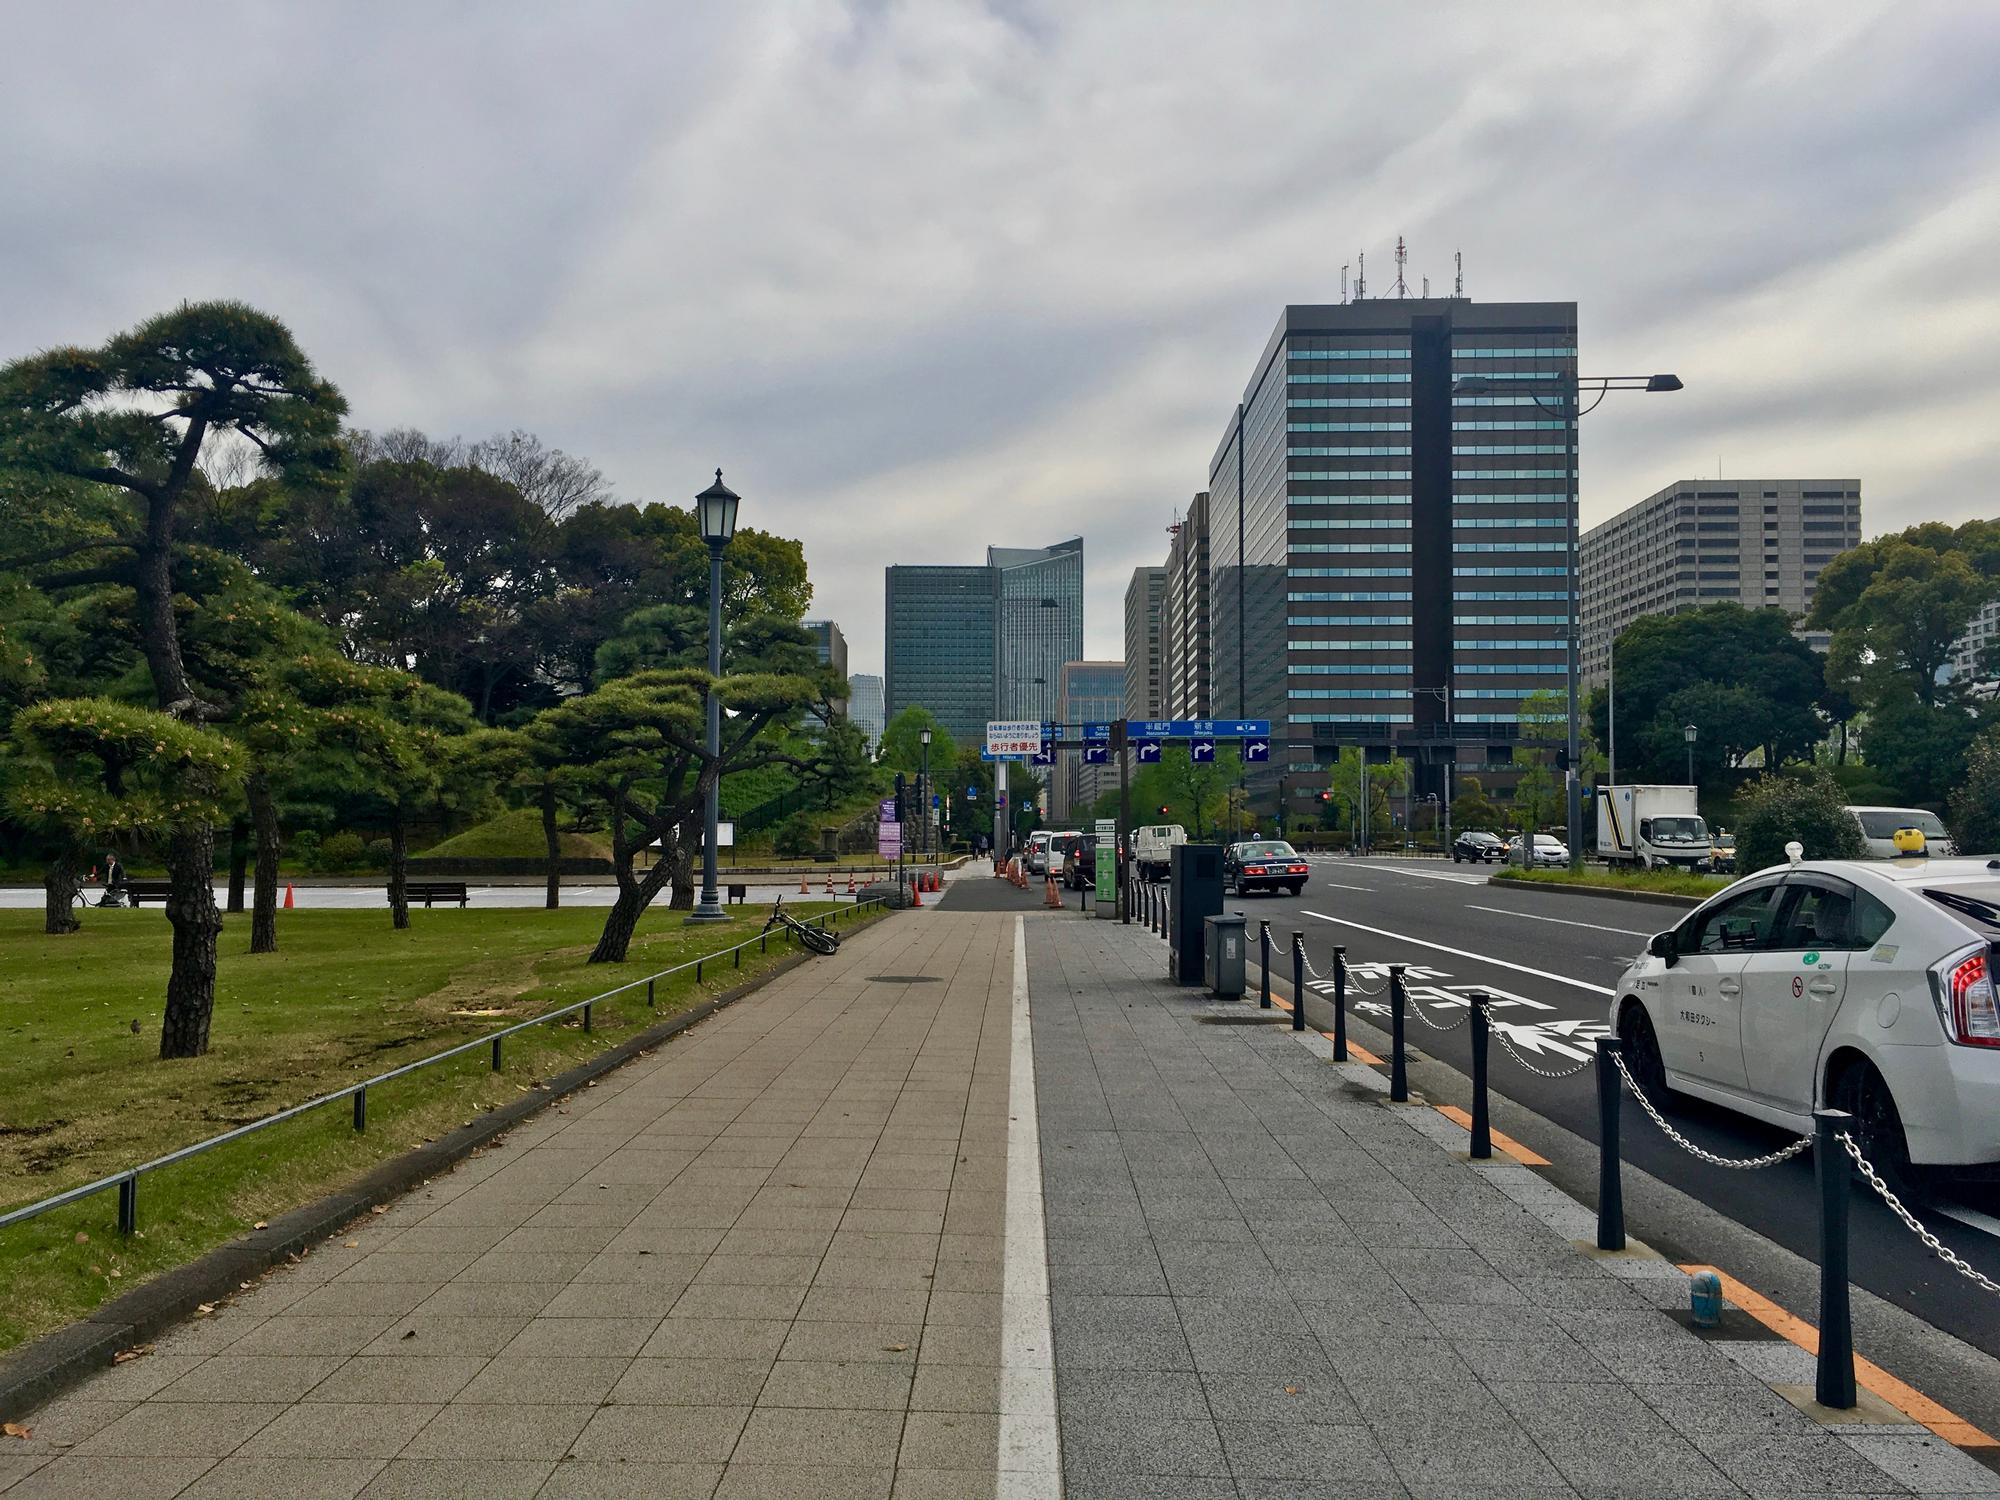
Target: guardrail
(127,1180)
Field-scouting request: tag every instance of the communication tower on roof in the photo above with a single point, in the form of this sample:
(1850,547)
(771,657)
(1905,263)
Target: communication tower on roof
(1361,275)
(1402,287)
(1458,280)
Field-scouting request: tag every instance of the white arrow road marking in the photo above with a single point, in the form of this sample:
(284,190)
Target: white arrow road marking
(1971,1217)
(1595,989)
(1560,921)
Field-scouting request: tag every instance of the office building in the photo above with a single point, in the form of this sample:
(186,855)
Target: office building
(1754,542)
(1038,593)
(940,640)
(1145,596)
(832,647)
(1093,692)
(1975,656)
(865,705)
(1388,560)
(1185,660)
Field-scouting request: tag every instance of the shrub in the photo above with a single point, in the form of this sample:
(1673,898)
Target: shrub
(1975,802)
(341,852)
(797,837)
(1805,803)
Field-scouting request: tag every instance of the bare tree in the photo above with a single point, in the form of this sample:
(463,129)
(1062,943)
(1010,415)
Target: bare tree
(553,481)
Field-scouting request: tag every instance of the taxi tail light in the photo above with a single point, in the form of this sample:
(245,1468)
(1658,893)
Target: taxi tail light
(1254,870)
(1297,869)
(1972,1015)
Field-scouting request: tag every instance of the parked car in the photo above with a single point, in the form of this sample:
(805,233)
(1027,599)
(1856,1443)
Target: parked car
(1550,852)
(1079,868)
(1035,853)
(1880,825)
(1263,865)
(1858,985)
(1479,848)
(1722,853)
(1060,845)
(1153,848)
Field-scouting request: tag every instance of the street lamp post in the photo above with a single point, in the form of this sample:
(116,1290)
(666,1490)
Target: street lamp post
(715,511)
(924,791)
(1688,733)
(1574,411)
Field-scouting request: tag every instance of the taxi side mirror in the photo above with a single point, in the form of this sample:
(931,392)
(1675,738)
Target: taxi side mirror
(1662,946)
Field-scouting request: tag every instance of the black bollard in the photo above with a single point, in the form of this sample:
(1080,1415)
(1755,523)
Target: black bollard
(1482,1134)
(1399,1073)
(1298,981)
(1264,966)
(1340,1002)
(1610,1186)
(1833,1381)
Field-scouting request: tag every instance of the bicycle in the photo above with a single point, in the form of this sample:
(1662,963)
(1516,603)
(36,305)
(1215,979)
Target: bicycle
(818,939)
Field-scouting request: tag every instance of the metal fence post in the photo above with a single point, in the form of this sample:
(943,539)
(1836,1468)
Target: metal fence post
(649,994)
(496,1054)
(1298,980)
(361,1109)
(128,1205)
(737,951)
(1264,966)
(1340,1002)
(1399,1073)
(586,1018)
(1610,1186)
(1482,1135)
(1833,1381)
(697,971)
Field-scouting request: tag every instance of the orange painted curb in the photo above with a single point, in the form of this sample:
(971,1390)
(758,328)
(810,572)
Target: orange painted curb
(1501,1141)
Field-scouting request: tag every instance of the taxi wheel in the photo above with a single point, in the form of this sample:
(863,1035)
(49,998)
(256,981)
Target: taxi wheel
(1878,1127)
(1642,1053)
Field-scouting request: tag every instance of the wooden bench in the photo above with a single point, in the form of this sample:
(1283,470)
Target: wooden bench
(428,891)
(139,892)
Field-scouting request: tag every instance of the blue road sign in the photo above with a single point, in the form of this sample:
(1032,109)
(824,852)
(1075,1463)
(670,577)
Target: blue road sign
(1245,729)
(1096,755)
(989,756)
(1044,756)
(972,791)
(1201,729)
(1099,732)
(1202,749)
(1147,751)
(1255,750)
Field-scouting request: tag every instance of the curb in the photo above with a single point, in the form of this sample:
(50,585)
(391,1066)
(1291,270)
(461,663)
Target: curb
(53,1363)
(1606,893)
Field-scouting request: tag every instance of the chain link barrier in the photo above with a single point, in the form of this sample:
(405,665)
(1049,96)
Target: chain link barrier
(1910,1221)
(1771,1159)
(1500,1034)
(1414,1009)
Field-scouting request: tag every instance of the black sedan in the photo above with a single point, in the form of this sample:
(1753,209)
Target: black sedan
(1479,848)
(1263,865)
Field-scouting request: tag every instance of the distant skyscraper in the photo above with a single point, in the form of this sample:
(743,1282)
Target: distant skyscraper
(864,705)
(1093,692)
(1753,542)
(940,643)
(832,647)
(1145,596)
(1040,601)
(1389,559)
(1185,628)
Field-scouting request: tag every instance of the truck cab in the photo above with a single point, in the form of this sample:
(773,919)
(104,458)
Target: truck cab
(1652,827)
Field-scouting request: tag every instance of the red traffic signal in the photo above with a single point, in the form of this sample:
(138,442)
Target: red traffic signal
(1326,796)
(1164,809)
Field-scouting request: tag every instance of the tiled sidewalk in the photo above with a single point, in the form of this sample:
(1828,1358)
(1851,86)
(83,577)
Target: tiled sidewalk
(763,1262)
(1269,1283)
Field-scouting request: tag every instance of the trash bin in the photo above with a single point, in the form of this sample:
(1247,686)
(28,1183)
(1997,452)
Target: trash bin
(1222,960)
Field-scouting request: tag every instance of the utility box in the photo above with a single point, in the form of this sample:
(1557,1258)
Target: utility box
(1194,893)
(1222,965)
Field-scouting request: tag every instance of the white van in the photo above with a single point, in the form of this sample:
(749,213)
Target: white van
(1879,825)
(1152,849)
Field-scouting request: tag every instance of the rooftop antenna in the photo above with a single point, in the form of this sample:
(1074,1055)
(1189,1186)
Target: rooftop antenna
(1427,289)
(1361,276)
(1343,282)
(1402,288)
(1458,281)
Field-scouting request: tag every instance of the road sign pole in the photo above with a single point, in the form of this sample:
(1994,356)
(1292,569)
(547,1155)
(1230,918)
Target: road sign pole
(1124,822)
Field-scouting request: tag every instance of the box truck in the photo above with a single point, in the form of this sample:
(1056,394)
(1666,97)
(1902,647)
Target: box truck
(1651,827)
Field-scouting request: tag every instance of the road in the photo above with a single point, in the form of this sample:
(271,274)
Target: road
(1550,963)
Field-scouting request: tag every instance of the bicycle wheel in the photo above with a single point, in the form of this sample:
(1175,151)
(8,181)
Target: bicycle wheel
(820,942)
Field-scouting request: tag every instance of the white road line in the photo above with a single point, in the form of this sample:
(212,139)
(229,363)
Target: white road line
(1030,1462)
(1559,921)
(1435,875)
(1595,989)
(1339,887)
(1971,1217)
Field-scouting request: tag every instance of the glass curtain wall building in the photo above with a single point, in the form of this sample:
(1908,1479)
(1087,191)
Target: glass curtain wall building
(865,706)
(1093,692)
(1388,561)
(940,644)
(1038,594)
(1145,598)
(1185,627)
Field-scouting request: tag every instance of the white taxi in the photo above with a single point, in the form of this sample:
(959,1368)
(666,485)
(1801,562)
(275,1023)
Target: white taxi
(1867,986)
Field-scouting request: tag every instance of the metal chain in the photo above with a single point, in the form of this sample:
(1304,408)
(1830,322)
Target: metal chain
(1418,1011)
(1770,1160)
(1931,1241)
(1501,1034)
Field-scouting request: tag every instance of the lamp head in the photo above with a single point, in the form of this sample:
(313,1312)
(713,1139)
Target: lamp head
(715,512)
(1472,385)
(1688,733)
(1663,383)
(924,736)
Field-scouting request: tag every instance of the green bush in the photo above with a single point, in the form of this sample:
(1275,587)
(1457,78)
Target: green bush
(797,837)
(1804,803)
(1975,802)
(341,852)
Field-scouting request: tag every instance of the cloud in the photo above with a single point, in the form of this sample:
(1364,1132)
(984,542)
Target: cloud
(926,276)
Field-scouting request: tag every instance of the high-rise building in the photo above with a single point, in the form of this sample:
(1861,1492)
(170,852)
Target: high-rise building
(1754,542)
(832,648)
(1039,599)
(1145,596)
(865,705)
(940,646)
(1388,559)
(1974,664)
(1093,692)
(1185,659)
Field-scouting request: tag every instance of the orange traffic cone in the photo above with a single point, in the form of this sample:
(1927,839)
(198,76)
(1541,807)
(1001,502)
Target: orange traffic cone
(829,882)
(850,882)
(917,894)
(1050,897)
(289,903)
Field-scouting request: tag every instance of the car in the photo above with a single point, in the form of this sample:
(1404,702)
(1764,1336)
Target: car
(1263,865)
(1055,860)
(1079,868)
(1722,853)
(1153,848)
(1880,825)
(1860,985)
(1479,848)
(1035,853)
(1550,852)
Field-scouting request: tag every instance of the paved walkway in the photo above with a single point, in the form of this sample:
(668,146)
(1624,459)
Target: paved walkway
(764,1262)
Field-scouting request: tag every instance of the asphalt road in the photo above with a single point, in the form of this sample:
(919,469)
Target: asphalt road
(1550,963)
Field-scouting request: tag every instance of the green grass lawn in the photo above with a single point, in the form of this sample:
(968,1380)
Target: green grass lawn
(516,835)
(83,1094)
(1655,882)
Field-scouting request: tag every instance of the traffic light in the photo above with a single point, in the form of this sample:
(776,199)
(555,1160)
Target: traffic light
(1164,809)
(1326,796)
(899,797)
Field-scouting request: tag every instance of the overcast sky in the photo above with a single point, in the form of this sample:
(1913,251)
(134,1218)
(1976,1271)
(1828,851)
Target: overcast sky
(922,277)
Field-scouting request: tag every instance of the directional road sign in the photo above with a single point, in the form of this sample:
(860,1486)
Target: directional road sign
(1097,732)
(1193,729)
(1096,755)
(1202,749)
(1244,728)
(1255,750)
(1044,757)
(1148,751)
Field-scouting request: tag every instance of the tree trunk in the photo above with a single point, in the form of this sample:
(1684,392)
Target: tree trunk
(552,842)
(192,914)
(60,883)
(239,859)
(679,863)
(1843,744)
(264,890)
(399,871)
(634,896)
